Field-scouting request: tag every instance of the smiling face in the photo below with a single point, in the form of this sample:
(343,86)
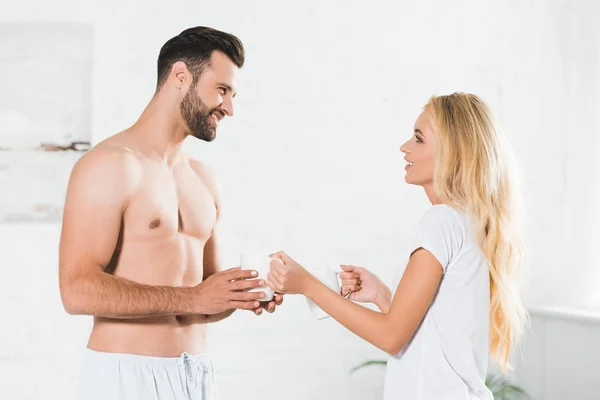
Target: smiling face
(420,153)
(211,99)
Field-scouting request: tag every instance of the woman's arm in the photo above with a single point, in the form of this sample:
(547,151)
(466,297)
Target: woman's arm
(388,331)
(365,287)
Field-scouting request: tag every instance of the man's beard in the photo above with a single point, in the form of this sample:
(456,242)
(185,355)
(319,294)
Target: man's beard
(197,117)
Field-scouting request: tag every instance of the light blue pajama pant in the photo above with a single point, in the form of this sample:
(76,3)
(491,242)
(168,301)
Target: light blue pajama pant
(115,376)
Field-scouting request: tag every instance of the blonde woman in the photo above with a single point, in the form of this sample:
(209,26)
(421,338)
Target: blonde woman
(457,299)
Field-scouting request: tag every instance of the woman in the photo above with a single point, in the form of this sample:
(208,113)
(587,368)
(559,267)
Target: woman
(458,295)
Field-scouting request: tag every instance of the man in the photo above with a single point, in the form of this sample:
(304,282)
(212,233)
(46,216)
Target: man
(139,243)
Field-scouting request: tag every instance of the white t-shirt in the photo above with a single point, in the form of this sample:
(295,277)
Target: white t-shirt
(447,357)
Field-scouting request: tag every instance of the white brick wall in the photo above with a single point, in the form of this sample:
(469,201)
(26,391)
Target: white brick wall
(46,80)
(45,73)
(310,161)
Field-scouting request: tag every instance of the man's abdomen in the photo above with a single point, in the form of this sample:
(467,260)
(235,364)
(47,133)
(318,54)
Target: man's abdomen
(158,336)
(157,261)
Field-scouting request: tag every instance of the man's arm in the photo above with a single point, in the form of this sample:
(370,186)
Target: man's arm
(211,262)
(212,265)
(99,187)
(212,255)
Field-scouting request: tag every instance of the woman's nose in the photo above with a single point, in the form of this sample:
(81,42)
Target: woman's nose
(404,148)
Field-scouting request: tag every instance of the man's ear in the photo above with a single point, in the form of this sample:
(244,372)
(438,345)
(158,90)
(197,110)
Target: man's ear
(180,75)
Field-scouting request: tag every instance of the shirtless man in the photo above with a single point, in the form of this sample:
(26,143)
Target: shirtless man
(139,246)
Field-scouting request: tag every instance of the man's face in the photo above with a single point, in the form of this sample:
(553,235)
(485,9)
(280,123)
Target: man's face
(211,98)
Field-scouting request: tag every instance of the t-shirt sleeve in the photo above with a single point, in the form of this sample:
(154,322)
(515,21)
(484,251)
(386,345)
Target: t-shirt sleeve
(441,233)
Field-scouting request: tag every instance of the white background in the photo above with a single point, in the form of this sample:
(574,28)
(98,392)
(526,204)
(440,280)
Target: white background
(310,162)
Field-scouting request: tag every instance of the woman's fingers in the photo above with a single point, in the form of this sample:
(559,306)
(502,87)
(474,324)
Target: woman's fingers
(349,289)
(349,275)
(274,282)
(348,268)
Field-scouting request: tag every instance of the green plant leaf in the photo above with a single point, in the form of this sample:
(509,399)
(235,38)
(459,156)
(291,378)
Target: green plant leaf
(368,363)
(501,388)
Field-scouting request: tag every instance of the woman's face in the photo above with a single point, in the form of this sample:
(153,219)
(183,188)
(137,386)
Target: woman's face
(419,153)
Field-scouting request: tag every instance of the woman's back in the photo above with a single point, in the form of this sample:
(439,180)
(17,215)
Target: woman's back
(447,357)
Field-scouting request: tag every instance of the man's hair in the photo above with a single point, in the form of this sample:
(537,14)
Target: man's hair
(194,47)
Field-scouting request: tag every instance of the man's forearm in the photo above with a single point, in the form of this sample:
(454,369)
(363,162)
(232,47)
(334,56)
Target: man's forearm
(104,295)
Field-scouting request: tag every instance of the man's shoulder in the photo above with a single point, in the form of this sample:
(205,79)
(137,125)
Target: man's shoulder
(108,163)
(201,168)
(207,175)
(205,172)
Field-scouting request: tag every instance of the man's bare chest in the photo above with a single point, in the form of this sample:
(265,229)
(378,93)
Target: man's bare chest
(170,204)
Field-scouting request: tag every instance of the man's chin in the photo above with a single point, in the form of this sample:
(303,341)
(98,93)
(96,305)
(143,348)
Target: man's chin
(207,137)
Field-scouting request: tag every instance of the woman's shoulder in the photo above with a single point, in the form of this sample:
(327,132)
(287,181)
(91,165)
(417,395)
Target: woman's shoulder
(443,213)
(444,219)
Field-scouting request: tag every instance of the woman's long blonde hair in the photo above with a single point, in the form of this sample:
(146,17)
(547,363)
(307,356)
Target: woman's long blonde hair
(475,172)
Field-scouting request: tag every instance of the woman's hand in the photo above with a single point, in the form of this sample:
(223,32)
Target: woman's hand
(286,275)
(365,287)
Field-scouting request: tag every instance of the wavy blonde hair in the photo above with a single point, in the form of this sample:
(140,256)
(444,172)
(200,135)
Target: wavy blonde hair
(476,172)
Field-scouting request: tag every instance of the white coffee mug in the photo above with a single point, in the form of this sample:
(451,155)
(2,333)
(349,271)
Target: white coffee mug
(260,262)
(329,277)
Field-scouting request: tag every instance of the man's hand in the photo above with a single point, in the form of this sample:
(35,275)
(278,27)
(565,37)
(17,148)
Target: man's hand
(270,306)
(225,290)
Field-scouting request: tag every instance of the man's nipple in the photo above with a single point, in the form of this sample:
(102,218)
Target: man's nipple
(154,224)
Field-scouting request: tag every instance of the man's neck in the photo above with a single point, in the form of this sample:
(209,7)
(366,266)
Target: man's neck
(162,130)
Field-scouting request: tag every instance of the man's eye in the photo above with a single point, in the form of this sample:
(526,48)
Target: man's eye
(223,91)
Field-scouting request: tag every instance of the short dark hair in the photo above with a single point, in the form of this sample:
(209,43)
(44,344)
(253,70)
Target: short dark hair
(194,47)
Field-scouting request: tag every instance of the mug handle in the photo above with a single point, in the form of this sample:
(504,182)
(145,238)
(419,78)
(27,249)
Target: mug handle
(337,272)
